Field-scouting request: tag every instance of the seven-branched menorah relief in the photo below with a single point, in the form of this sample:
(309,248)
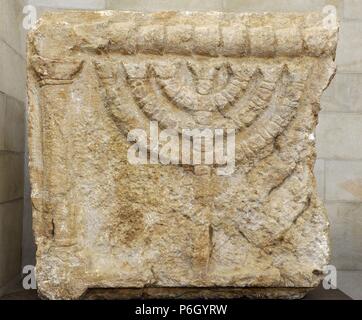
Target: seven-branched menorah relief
(101,221)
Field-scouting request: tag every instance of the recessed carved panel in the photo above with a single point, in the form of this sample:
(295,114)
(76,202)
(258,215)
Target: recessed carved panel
(103,222)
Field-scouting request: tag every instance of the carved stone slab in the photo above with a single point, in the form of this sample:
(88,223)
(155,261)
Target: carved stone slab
(177,230)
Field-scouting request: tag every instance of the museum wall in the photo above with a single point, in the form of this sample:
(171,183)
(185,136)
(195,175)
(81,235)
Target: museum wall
(338,137)
(12,98)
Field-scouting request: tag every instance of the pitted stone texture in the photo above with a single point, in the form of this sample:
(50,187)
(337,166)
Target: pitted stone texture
(101,222)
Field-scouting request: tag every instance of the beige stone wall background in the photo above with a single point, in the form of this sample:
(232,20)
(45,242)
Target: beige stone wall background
(339,133)
(12,98)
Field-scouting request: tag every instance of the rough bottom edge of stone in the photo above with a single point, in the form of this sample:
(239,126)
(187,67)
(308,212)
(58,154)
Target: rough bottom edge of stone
(194,293)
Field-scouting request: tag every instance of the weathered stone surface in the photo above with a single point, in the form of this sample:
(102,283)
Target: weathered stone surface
(101,222)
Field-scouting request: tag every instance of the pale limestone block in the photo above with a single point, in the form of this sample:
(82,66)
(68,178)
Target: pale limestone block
(344,94)
(337,136)
(28,243)
(349,59)
(343,180)
(11,214)
(11,176)
(320,176)
(346,236)
(258,230)
(43,6)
